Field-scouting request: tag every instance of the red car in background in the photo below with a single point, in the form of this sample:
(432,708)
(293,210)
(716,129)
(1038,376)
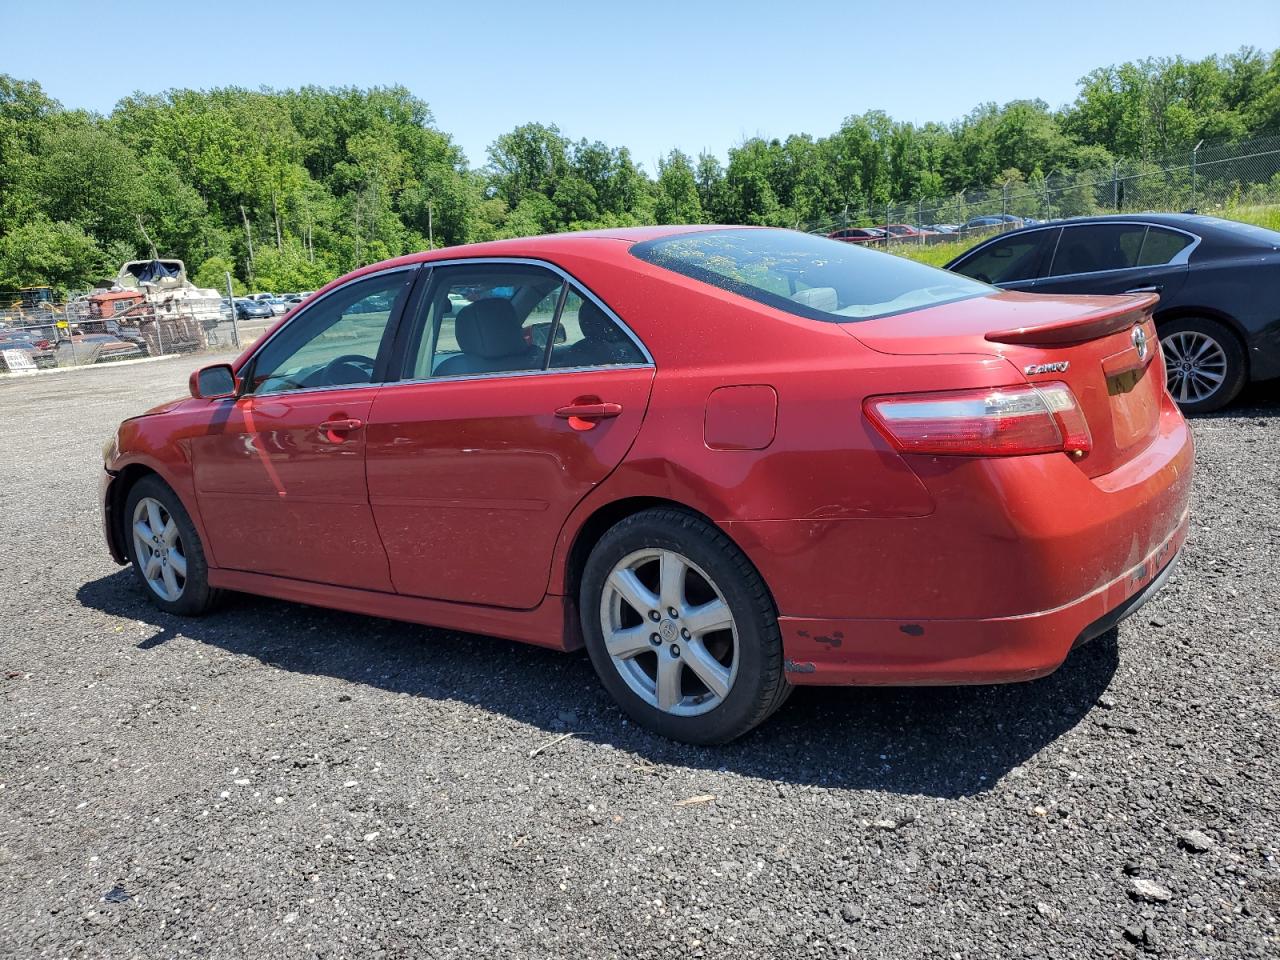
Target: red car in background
(870,235)
(727,460)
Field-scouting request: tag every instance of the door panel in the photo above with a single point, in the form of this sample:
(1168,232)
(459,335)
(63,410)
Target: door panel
(1165,280)
(471,480)
(283,494)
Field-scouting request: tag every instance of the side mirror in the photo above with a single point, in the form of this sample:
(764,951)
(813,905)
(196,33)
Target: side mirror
(213,382)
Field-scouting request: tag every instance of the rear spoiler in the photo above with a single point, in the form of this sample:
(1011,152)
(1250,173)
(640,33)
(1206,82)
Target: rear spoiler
(1090,326)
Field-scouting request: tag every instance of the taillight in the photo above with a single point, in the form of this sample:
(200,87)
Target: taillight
(993,422)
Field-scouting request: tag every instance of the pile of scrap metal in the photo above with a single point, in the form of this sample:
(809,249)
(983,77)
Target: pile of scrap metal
(151,305)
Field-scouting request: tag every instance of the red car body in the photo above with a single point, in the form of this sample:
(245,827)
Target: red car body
(470,504)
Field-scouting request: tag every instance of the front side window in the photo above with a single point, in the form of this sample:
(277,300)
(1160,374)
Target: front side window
(805,275)
(1097,246)
(1010,259)
(335,342)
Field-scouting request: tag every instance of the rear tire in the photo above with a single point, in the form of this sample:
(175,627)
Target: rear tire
(166,552)
(693,651)
(1204,362)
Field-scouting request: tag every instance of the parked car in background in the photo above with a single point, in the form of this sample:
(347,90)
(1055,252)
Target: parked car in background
(858,235)
(279,306)
(983,224)
(905,231)
(80,349)
(1219,284)
(247,309)
(922,480)
(39,341)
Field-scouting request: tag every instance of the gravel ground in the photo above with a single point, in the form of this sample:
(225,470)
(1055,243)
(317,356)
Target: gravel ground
(282,781)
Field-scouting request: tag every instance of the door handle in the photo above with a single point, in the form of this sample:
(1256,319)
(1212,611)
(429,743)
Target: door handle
(341,426)
(1154,288)
(589,411)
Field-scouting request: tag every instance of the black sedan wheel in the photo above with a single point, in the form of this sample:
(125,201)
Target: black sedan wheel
(1204,363)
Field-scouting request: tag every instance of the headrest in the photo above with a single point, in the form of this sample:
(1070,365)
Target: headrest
(819,298)
(596,325)
(489,328)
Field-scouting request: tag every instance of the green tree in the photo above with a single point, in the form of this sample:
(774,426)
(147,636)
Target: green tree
(677,199)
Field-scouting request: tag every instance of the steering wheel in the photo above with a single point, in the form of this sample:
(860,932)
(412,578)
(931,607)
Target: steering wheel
(348,368)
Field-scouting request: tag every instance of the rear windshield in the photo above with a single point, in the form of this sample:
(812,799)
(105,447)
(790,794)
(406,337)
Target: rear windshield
(806,275)
(1246,232)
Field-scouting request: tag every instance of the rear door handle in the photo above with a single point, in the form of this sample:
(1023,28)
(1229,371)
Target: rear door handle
(1155,288)
(341,426)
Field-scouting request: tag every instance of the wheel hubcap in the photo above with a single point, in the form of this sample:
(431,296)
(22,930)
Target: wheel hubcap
(1195,364)
(669,632)
(158,549)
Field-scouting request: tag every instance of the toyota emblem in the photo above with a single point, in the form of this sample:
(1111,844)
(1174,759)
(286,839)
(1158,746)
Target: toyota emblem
(1140,342)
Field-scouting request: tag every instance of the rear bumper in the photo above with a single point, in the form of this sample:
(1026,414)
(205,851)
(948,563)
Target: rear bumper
(997,650)
(1022,558)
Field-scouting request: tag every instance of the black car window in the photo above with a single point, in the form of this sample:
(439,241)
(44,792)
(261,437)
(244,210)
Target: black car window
(1011,258)
(1161,246)
(1089,248)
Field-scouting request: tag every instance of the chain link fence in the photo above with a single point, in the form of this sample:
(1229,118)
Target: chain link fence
(1209,179)
(40,330)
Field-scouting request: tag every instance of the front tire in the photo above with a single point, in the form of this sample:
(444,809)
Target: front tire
(681,628)
(166,552)
(1204,363)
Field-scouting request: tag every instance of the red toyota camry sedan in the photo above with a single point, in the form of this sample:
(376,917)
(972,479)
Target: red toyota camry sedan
(727,460)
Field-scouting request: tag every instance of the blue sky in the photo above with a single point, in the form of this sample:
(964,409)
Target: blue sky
(650,75)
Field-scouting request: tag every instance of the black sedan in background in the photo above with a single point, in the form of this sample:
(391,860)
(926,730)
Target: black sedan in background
(1218,280)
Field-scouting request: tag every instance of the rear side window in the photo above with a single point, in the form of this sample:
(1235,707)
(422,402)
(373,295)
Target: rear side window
(1009,259)
(1097,246)
(586,337)
(805,275)
(1161,246)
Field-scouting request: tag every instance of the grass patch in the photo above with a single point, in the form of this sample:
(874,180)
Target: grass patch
(935,254)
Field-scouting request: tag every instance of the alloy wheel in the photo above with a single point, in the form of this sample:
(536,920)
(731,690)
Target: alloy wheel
(1195,365)
(669,632)
(157,548)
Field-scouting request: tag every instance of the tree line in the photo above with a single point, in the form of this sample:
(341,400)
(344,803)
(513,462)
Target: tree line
(288,188)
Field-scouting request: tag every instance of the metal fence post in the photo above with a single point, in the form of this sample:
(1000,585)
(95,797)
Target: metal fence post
(1194,150)
(231,301)
(1115,186)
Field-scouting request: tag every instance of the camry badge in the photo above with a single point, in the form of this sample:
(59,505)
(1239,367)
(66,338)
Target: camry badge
(1140,342)
(1058,366)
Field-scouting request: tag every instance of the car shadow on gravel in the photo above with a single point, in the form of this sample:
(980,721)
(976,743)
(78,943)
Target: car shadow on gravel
(935,741)
(1259,400)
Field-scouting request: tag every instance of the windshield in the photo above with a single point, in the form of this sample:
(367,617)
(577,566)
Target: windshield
(806,275)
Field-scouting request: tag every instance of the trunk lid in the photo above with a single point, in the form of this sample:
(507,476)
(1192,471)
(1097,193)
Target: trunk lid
(1092,344)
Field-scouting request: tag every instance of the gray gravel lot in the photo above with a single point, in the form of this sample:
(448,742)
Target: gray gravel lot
(282,781)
